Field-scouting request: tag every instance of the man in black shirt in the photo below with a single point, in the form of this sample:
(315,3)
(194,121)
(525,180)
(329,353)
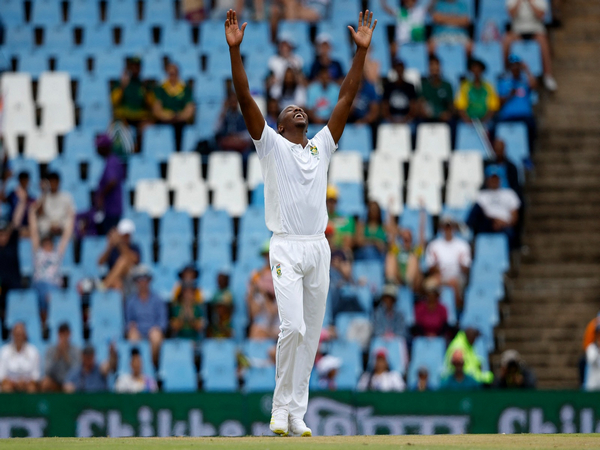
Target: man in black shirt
(399,98)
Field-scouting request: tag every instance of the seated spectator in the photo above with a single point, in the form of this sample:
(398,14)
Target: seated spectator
(173,103)
(220,310)
(13,198)
(402,259)
(365,108)
(109,194)
(323,59)
(327,369)
(58,209)
(496,209)
(305,10)
(194,11)
(121,255)
(232,133)
(381,379)
(131,97)
(463,342)
(135,381)
(508,173)
(284,59)
(422,380)
(450,24)
(322,95)
(19,363)
(592,359)
(188,275)
(527,19)
(60,360)
(388,321)
(290,92)
(457,379)
(343,295)
(514,374)
(262,307)
(47,259)
(90,376)
(476,99)
(343,228)
(371,239)
(431,317)
(449,259)
(272,112)
(145,313)
(10,268)
(437,97)
(399,97)
(410,21)
(187,315)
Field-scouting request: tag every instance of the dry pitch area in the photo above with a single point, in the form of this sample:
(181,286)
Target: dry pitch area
(464,442)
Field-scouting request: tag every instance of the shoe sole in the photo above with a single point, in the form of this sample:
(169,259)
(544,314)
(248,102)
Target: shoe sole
(307,434)
(280,431)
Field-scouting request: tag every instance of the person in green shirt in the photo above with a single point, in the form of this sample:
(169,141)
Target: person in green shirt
(343,227)
(187,316)
(220,309)
(477,99)
(131,98)
(463,342)
(370,237)
(437,98)
(458,380)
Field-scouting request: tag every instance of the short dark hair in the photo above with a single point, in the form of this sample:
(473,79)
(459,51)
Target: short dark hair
(53,176)
(135,352)
(24,175)
(64,327)
(433,58)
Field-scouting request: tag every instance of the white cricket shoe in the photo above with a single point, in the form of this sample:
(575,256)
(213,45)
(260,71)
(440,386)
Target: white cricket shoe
(279,421)
(299,428)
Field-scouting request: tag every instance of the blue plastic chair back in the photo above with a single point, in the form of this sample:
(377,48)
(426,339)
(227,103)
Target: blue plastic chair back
(216,222)
(427,352)
(176,366)
(65,307)
(529,51)
(491,54)
(405,303)
(396,350)
(97,37)
(447,298)
(351,199)
(124,351)
(160,12)
(175,224)
(351,369)
(414,56)
(218,365)
(91,249)
(46,12)
(358,138)
(410,219)
(22,306)
(82,12)
(177,37)
(372,272)
(122,12)
(158,142)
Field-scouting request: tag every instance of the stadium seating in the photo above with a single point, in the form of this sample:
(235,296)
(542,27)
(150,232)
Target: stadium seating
(176,366)
(218,365)
(260,375)
(351,368)
(397,352)
(65,307)
(22,306)
(429,354)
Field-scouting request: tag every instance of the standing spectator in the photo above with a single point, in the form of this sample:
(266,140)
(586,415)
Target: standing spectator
(173,103)
(476,99)
(109,194)
(146,313)
(437,97)
(284,59)
(89,376)
(323,59)
(13,198)
(508,173)
(387,320)
(135,381)
(527,19)
(58,210)
(327,369)
(431,317)
(399,97)
(220,310)
(232,133)
(370,237)
(365,108)
(449,259)
(450,24)
(457,379)
(290,92)
(188,275)
(262,307)
(47,260)
(514,374)
(19,363)
(60,360)
(187,315)
(464,342)
(410,21)
(121,255)
(131,97)
(592,358)
(402,259)
(322,97)
(343,295)
(343,227)
(381,379)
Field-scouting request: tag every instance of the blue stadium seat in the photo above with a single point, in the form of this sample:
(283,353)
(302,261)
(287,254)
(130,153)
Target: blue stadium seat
(529,51)
(372,271)
(260,376)
(136,39)
(13,12)
(146,244)
(175,225)
(96,116)
(159,12)
(216,252)
(383,18)
(139,168)
(252,223)
(489,28)
(46,12)
(20,164)
(344,11)
(91,90)
(215,223)
(68,262)
(109,65)
(493,8)
(250,247)
(26,257)
(58,38)
(491,54)
(211,35)
(405,303)
(427,352)
(468,139)
(188,61)
(79,145)
(453,59)
(397,352)
(217,66)
(158,142)
(91,249)
(515,136)
(299,31)
(482,306)
(34,63)
(486,272)
(97,37)
(189,141)
(95,168)
(83,12)
(219,365)
(357,137)
(176,37)
(176,366)
(343,321)
(206,120)
(258,195)
(81,195)
(481,350)
(106,317)
(121,12)
(448,299)
(351,199)
(256,36)
(410,219)
(351,369)
(65,307)
(68,170)
(22,306)
(164,279)
(209,89)
(173,252)
(18,39)
(74,63)
(414,56)
(142,221)
(124,351)
(493,247)
(209,272)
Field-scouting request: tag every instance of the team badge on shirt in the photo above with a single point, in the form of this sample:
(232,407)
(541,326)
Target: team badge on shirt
(278,270)
(314,151)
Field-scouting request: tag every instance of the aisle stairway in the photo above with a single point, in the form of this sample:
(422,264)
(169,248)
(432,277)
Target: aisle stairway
(557,290)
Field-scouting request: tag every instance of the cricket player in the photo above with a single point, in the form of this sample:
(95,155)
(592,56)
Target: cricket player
(294,169)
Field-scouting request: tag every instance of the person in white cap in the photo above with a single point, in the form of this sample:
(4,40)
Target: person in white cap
(121,254)
(323,59)
(295,173)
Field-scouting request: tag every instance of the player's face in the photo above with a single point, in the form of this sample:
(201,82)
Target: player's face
(292,117)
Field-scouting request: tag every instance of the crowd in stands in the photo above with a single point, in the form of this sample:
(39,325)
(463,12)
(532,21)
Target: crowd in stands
(101,292)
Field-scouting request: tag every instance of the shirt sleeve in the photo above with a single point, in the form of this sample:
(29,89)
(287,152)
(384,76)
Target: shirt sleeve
(325,142)
(493,102)
(462,98)
(515,203)
(266,143)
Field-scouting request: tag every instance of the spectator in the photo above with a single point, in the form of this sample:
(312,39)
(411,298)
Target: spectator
(10,267)
(290,92)
(89,376)
(19,363)
(476,99)
(592,357)
(399,97)
(457,379)
(402,259)
(422,380)
(410,21)
(145,313)
(327,370)
(449,259)
(431,317)
(109,194)
(450,24)
(514,374)
(303,10)
(365,108)
(284,59)
(496,209)
(323,59)
(131,97)
(58,210)
(135,381)
(508,172)
(371,239)
(437,97)
(343,294)
(381,379)
(343,228)
(388,321)
(528,19)
(464,341)
(589,335)
(173,103)
(60,360)
(121,255)
(272,112)
(264,318)
(220,310)
(13,198)
(187,315)
(322,96)
(194,11)
(231,129)
(188,275)
(47,259)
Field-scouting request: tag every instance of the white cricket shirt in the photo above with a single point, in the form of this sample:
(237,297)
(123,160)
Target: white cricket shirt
(295,181)
(449,256)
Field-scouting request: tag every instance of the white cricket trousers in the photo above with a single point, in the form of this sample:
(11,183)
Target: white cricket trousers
(300,267)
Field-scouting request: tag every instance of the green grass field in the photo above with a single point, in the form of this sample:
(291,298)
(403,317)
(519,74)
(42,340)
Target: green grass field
(463,442)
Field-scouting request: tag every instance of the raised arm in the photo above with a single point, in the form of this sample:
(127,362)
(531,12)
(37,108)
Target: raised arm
(33,226)
(362,37)
(255,122)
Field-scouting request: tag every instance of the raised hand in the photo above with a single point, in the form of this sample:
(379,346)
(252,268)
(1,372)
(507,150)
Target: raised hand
(233,33)
(364,32)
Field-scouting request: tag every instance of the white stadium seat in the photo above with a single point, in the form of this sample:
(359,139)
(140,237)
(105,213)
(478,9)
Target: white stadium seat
(41,146)
(18,108)
(413,76)
(152,197)
(387,194)
(346,167)
(191,198)
(231,197)
(16,88)
(466,166)
(58,118)
(183,169)
(224,167)
(386,166)
(434,138)
(426,192)
(424,166)
(54,87)
(394,139)
(254,176)
(460,193)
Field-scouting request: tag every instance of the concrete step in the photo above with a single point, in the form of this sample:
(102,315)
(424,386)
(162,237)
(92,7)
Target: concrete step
(546,347)
(573,270)
(537,321)
(579,183)
(542,360)
(554,170)
(562,334)
(567,225)
(584,210)
(558,197)
(562,257)
(566,374)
